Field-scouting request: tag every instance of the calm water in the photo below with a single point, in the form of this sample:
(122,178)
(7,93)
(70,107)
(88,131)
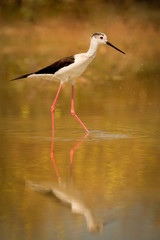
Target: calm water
(105,185)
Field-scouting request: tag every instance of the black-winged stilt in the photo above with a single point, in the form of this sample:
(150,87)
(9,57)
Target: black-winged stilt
(69,68)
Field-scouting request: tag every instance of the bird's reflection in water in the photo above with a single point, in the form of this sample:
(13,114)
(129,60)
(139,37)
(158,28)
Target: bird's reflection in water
(68,193)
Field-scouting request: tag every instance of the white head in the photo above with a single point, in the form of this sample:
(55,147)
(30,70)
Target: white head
(101,38)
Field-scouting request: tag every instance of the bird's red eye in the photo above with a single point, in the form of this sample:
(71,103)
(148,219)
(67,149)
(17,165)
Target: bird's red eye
(101,37)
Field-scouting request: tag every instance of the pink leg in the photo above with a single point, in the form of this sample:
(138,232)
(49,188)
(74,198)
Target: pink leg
(53,107)
(73,112)
(52,144)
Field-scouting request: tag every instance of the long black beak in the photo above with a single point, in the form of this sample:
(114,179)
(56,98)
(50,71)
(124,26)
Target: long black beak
(114,47)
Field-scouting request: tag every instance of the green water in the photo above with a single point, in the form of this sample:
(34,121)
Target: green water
(111,187)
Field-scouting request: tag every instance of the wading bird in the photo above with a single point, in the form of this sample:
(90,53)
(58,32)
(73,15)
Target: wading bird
(69,68)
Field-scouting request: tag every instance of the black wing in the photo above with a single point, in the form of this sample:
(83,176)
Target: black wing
(51,69)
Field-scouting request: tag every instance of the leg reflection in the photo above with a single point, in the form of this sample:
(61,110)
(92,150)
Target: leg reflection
(67,192)
(52,158)
(71,154)
(73,150)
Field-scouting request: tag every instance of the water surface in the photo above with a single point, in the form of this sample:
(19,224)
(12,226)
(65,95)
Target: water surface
(104,185)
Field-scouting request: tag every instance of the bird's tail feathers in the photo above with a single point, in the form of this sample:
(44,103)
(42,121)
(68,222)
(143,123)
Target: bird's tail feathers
(20,77)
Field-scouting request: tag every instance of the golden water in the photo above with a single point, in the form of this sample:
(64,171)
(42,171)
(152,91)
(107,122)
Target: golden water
(112,187)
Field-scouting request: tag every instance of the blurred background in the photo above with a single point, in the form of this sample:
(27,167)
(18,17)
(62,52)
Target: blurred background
(116,167)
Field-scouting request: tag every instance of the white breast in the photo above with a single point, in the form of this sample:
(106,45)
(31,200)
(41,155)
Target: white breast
(75,69)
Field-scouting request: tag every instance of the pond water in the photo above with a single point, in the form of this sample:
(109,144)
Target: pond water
(104,185)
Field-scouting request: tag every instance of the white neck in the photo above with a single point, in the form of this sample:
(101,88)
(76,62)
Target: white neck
(93,48)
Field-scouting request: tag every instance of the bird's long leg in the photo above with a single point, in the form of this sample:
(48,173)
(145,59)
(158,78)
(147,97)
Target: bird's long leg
(52,144)
(53,108)
(73,112)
